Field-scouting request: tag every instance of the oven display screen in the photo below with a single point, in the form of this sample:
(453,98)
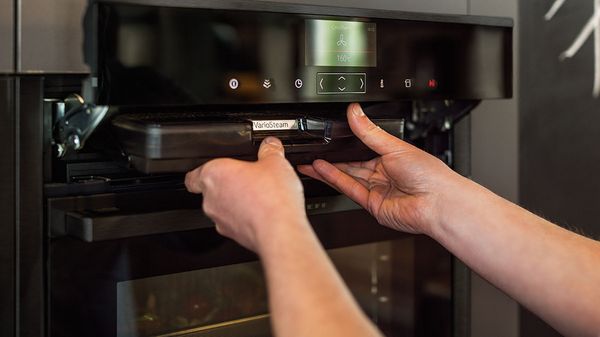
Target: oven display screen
(332,43)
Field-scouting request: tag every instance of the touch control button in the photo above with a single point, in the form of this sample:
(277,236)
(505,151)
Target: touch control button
(341,83)
(234,83)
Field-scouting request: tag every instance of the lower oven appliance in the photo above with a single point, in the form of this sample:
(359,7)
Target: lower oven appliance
(119,248)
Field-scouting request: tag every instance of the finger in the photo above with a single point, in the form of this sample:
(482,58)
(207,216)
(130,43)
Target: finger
(220,229)
(309,170)
(270,146)
(372,135)
(355,171)
(342,182)
(193,183)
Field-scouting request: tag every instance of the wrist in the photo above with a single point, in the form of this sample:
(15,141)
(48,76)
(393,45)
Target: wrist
(272,234)
(459,199)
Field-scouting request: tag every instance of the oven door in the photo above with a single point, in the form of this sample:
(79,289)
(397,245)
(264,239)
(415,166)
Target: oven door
(193,282)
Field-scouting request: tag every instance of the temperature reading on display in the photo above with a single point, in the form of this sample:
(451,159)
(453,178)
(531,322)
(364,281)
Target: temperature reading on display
(341,43)
(344,58)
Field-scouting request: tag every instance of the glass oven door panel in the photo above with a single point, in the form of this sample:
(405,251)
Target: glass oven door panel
(387,279)
(203,298)
(198,283)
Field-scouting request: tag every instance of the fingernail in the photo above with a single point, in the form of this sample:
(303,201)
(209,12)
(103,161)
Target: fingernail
(319,163)
(357,110)
(272,141)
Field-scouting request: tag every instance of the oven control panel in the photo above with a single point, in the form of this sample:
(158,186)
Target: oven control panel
(173,56)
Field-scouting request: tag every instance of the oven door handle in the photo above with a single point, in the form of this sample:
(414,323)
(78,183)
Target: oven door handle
(111,223)
(91,226)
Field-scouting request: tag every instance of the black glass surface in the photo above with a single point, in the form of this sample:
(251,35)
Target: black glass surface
(201,284)
(147,55)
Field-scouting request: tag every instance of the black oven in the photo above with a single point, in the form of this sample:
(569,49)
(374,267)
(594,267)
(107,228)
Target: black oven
(116,246)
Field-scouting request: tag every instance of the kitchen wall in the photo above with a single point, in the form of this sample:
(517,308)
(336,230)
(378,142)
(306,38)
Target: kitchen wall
(559,124)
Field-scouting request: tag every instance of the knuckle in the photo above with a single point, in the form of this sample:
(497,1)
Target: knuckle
(214,169)
(189,180)
(222,230)
(209,209)
(210,167)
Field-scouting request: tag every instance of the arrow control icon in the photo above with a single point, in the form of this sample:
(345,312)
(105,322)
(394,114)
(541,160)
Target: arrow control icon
(341,83)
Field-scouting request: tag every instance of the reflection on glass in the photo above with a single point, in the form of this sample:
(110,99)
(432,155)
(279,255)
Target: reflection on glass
(174,302)
(396,283)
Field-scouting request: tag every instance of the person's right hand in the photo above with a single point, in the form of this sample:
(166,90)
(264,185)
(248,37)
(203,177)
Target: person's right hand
(405,188)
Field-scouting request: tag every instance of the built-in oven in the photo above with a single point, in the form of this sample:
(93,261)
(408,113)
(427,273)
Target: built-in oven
(126,250)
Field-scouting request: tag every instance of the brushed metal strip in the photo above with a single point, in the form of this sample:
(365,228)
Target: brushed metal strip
(17,44)
(267,6)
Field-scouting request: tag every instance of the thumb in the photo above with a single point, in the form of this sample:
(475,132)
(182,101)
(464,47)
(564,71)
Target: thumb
(270,146)
(372,135)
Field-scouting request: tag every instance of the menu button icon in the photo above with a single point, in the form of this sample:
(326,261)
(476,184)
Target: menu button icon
(267,83)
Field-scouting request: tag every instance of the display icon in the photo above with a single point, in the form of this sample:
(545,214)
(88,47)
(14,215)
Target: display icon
(342,41)
(234,83)
(408,83)
(267,83)
(298,83)
(341,79)
(432,84)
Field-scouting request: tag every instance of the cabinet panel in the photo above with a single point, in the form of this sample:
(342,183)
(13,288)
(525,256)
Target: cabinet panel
(52,36)
(6,36)
(7,208)
(495,145)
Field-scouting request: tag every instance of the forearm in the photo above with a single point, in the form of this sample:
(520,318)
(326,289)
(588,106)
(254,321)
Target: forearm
(307,296)
(553,272)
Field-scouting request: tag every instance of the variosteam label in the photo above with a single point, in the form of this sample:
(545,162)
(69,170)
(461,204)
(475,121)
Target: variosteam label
(275,125)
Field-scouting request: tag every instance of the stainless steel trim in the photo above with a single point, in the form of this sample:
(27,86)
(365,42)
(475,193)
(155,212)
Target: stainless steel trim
(18,35)
(7,36)
(268,6)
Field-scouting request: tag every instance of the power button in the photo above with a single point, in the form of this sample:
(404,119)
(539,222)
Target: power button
(234,83)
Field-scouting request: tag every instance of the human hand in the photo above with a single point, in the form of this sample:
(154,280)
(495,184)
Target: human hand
(249,201)
(405,188)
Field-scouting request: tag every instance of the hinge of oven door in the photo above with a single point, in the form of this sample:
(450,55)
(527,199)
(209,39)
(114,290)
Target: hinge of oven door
(75,122)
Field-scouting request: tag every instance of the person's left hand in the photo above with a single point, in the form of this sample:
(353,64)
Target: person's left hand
(249,200)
